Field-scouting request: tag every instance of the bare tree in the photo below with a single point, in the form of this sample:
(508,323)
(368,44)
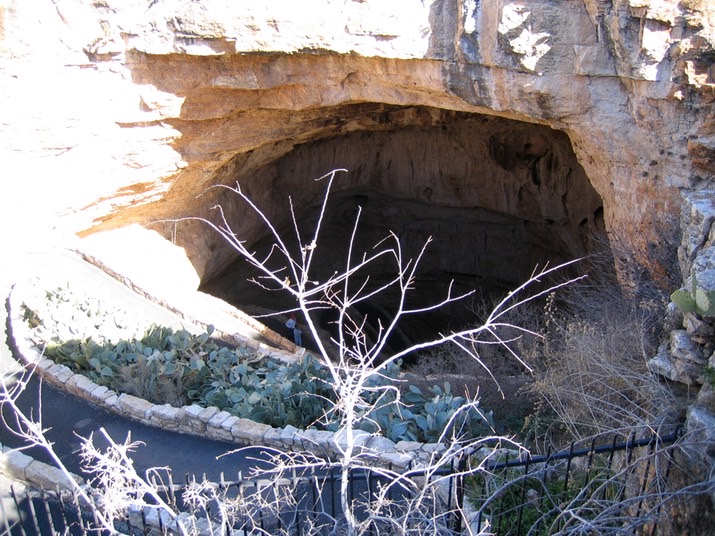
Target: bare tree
(355,360)
(359,362)
(359,371)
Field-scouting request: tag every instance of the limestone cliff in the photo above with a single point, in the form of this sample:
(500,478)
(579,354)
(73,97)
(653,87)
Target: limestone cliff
(124,111)
(517,129)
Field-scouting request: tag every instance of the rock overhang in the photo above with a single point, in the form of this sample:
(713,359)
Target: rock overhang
(219,92)
(497,197)
(228,132)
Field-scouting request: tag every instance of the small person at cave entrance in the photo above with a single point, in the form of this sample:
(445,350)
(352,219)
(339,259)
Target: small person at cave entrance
(290,324)
(297,336)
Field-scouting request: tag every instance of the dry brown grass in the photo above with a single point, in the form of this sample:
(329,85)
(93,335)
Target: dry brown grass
(593,375)
(585,373)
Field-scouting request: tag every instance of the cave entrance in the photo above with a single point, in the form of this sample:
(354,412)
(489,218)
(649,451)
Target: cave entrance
(497,196)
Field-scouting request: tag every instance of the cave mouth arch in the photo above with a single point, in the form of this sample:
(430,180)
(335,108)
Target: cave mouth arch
(497,196)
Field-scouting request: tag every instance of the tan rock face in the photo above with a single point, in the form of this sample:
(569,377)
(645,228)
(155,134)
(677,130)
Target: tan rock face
(510,130)
(125,111)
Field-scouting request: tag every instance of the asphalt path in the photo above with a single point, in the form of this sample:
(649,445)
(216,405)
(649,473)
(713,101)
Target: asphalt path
(69,418)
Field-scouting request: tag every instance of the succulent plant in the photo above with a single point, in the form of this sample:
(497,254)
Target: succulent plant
(247,384)
(698,299)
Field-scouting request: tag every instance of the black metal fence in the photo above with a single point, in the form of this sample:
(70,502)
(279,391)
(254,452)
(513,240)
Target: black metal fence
(44,512)
(309,503)
(604,485)
(294,504)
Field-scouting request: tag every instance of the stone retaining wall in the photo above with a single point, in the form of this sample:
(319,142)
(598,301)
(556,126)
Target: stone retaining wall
(24,468)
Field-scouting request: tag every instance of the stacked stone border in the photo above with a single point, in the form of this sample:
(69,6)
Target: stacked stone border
(23,468)
(690,350)
(209,421)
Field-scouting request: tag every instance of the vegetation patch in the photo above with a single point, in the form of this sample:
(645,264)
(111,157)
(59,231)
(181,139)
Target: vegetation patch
(176,367)
(596,494)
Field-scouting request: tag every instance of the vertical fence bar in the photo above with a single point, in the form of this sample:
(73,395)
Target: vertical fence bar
(612,453)
(589,465)
(171,492)
(646,475)
(160,518)
(57,514)
(564,490)
(480,514)
(331,476)
(296,483)
(145,524)
(630,447)
(523,495)
(13,494)
(80,518)
(391,489)
(452,491)
(33,513)
(609,466)
(45,500)
(261,515)
(240,493)
(276,497)
(544,492)
(370,496)
(497,514)
(568,469)
(63,511)
(462,462)
(313,483)
(668,466)
(223,491)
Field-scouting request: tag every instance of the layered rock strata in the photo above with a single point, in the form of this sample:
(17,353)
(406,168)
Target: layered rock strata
(142,107)
(126,111)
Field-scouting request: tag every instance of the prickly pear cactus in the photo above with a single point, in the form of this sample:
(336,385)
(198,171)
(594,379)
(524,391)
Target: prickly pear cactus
(699,299)
(683,300)
(705,302)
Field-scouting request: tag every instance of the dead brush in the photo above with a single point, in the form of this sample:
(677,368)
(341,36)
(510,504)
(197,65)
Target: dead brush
(594,377)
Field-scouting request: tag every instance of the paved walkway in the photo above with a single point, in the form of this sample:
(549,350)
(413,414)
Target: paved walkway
(70,418)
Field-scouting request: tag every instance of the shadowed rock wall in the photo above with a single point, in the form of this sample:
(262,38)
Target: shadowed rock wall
(496,196)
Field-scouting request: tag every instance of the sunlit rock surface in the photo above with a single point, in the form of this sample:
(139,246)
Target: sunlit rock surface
(125,111)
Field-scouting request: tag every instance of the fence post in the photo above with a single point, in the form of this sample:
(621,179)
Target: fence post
(459,491)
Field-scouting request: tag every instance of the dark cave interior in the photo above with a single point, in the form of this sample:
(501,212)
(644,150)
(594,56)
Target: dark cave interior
(498,198)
